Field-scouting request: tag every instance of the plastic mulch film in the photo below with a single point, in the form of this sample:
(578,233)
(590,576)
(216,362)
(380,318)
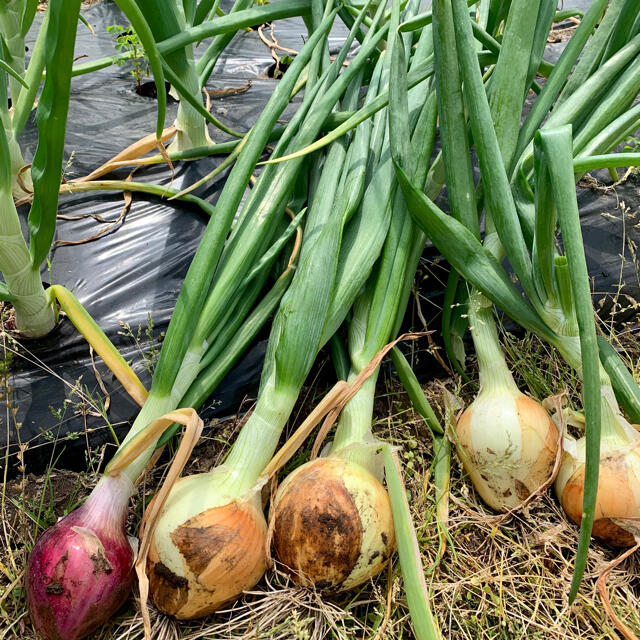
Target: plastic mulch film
(128,278)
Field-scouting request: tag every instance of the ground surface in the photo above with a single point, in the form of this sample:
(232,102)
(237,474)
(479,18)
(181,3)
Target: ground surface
(498,578)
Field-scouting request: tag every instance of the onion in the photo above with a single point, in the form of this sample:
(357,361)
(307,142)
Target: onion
(80,571)
(332,524)
(508,445)
(506,441)
(618,494)
(208,546)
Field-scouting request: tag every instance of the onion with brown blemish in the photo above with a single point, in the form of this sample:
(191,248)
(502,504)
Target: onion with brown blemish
(507,442)
(207,548)
(332,524)
(618,496)
(508,445)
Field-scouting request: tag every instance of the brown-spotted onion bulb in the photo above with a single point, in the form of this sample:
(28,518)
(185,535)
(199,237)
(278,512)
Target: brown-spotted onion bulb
(332,521)
(618,496)
(208,545)
(507,441)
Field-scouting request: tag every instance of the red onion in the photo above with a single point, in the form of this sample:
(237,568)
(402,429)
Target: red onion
(81,569)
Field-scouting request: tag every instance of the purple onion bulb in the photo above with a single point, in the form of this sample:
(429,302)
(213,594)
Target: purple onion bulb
(80,570)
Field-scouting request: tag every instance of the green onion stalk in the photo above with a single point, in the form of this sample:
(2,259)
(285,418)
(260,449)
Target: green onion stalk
(167,19)
(79,571)
(19,263)
(334,524)
(332,520)
(16,18)
(596,100)
(336,258)
(22,285)
(557,287)
(506,440)
(102,517)
(618,462)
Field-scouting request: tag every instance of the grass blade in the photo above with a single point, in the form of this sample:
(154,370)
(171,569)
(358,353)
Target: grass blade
(424,624)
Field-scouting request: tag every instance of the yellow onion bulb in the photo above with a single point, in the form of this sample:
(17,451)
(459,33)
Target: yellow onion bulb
(618,496)
(508,445)
(332,524)
(207,548)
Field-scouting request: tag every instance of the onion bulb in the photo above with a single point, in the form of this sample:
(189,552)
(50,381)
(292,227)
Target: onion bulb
(506,441)
(80,570)
(618,494)
(332,524)
(508,445)
(208,546)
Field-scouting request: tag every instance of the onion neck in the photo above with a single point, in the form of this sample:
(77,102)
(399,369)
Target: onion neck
(258,439)
(11,17)
(106,508)
(354,440)
(34,314)
(495,376)
(159,403)
(191,126)
(615,431)
(154,408)
(355,420)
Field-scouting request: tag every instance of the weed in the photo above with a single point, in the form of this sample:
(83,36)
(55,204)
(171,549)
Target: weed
(147,344)
(127,41)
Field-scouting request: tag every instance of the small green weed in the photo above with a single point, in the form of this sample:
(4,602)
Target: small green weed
(127,41)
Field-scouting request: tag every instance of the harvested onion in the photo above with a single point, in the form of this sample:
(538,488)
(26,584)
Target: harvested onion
(80,571)
(508,444)
(618,496)
(207,548)
(332,524)
(507,441)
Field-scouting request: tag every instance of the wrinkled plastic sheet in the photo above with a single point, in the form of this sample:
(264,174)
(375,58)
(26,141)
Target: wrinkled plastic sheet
(129,278)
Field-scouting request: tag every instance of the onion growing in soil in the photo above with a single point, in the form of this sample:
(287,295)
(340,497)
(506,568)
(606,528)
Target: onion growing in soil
(333,524)
(618,496)
(507,441)
(80,571)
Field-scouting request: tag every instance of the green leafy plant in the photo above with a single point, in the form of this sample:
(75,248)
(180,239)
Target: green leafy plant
(127,41)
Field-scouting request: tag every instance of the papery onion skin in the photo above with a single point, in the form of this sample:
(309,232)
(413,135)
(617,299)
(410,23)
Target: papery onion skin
(80,570)
(199,563)
(508,444)
(618,494)
(333,526)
